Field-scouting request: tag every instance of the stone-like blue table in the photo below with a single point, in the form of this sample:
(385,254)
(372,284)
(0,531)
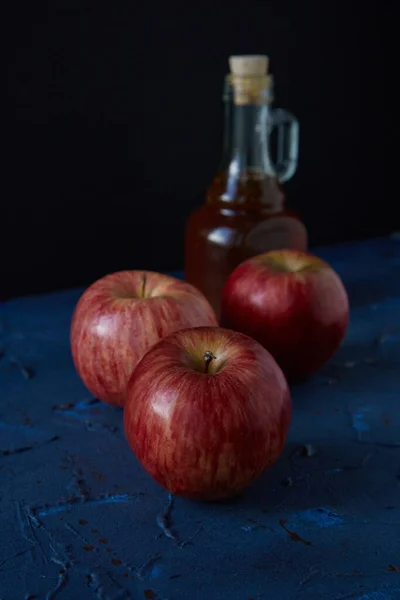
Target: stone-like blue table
(81,519)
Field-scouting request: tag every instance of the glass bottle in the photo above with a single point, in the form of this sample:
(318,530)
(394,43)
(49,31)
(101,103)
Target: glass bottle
(244,213)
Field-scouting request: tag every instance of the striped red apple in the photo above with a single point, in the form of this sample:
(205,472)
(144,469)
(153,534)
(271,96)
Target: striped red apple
(207,412)
(293,303)
(119,318)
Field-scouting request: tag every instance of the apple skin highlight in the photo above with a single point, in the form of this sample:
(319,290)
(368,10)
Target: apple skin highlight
(291,302)
(206,428)
(119,318)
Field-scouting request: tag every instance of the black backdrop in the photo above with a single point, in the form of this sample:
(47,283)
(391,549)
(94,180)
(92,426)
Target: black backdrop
(113,128)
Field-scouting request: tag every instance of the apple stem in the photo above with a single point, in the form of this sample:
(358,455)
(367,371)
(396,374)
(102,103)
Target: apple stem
(208,357)
(144,280)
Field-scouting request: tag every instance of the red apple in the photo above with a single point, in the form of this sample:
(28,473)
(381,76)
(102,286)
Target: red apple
(119,318)
(293,303)
(208,410)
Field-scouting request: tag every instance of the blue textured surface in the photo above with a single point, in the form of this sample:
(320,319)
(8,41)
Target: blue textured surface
(81,519)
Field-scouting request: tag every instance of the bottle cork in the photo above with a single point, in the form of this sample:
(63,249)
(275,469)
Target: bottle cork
(250,79)
(255,65)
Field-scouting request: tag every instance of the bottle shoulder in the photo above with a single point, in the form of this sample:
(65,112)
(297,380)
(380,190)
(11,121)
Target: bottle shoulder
(250,229)
(214,215)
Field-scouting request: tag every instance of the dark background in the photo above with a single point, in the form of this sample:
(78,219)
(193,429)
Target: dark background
(114,123)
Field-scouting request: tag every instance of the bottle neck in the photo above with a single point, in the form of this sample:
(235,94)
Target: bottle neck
(247,177)
(246,152)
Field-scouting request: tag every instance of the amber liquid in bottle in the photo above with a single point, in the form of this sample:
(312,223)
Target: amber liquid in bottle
(244,213)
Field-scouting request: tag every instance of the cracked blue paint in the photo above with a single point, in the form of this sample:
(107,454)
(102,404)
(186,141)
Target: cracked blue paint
(14,438)
(323,517)
(68,506)
(82,410)
(359,420)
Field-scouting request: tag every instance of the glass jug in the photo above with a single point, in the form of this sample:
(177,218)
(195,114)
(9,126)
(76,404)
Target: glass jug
(245,213)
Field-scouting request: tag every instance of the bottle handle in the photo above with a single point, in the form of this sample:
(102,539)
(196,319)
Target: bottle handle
(287,143)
